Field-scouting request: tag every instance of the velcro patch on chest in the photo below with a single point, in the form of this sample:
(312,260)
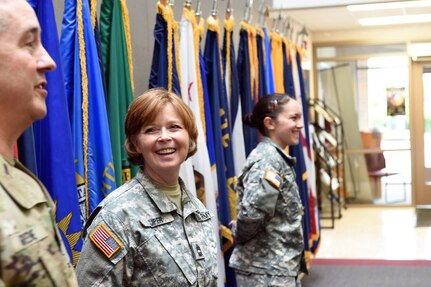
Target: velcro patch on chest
(273,178)
(28,237)
(105,240)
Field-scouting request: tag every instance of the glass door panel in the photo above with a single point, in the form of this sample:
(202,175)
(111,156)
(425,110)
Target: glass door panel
(426,83)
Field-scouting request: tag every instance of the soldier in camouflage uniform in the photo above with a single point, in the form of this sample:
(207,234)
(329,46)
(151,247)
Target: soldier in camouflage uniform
(268,230)
(152,231)
(31,249)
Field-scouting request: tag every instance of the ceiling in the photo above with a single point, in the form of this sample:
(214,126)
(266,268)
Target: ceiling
(327,22)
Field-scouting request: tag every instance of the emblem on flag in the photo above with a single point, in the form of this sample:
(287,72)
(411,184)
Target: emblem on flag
(273,178)
(105,240)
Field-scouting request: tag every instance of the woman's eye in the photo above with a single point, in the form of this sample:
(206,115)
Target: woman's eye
(150,130)
(296,118)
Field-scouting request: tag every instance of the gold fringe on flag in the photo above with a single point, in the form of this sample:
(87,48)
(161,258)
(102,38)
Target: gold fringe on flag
(277,61)
(93,4)
(176,32)
(166,13)
(84,87)
(213,25)
(254,61)
(126,22)
(229,24)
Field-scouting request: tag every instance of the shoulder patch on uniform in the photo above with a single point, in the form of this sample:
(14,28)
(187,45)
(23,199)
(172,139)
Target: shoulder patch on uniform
(105,240)
(273,178)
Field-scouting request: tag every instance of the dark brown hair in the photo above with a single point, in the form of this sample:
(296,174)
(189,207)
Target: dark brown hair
(145,108)
(268,106)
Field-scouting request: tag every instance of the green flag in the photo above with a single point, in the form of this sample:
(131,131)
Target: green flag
(118,69)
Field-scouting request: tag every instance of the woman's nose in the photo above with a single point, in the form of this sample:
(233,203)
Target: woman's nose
(164,134)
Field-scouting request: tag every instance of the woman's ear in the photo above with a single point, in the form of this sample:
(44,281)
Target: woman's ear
(269,123)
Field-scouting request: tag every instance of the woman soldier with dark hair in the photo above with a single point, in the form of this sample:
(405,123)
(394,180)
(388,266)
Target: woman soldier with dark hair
(268,230)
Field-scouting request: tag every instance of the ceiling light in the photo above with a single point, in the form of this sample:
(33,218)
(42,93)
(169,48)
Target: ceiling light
(389,5)
(394,20)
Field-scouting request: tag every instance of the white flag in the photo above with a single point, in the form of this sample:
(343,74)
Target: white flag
(200,161)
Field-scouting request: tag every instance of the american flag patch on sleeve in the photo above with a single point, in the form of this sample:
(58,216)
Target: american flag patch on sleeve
(273,178)
(105,240)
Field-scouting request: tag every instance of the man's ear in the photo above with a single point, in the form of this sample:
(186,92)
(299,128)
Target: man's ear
(268,123)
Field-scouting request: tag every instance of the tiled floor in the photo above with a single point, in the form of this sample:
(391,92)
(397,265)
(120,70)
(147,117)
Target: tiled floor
(376,233)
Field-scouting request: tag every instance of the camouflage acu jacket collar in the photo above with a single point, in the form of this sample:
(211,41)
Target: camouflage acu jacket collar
(162,202)
(289,159)
(24,192)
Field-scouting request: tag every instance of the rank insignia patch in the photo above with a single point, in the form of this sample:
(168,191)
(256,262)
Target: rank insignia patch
(105,240)
(273,178)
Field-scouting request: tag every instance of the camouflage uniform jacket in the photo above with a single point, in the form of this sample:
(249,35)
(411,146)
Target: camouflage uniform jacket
(31,249)
(268,229)
(151,242)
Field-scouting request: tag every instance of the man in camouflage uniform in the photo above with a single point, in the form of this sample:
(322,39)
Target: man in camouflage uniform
(268,229)
(138,237)
(31,249)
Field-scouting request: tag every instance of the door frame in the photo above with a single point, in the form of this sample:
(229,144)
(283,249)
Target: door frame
(421,193)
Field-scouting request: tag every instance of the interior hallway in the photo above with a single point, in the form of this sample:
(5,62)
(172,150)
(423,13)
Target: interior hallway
(376,232)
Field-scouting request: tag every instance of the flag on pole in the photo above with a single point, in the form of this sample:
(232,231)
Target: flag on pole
(297,151)
(277,61)
(165,69)
(98,44)
(53,140)
(289,87)
(207,116)
(269,77)
(94,166)
(207,110)
(222,139)
(118,70)
(260,62)
(314,216)
(26,150)
(254,62)
(206,191)
(232,91)
(246,87)
(164,66)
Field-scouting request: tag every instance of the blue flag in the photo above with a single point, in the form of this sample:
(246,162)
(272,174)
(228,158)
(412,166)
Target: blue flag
(301,180)
(232,91)
(269,77)
(222,140)
(94,167)
(53,140)
(261,62)
(289,87)
(314,228)
(207,110)
(245,88)
(297,150)
(26,150)
(164,69)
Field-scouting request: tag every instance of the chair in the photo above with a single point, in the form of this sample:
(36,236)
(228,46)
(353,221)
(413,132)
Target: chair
(376,165)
